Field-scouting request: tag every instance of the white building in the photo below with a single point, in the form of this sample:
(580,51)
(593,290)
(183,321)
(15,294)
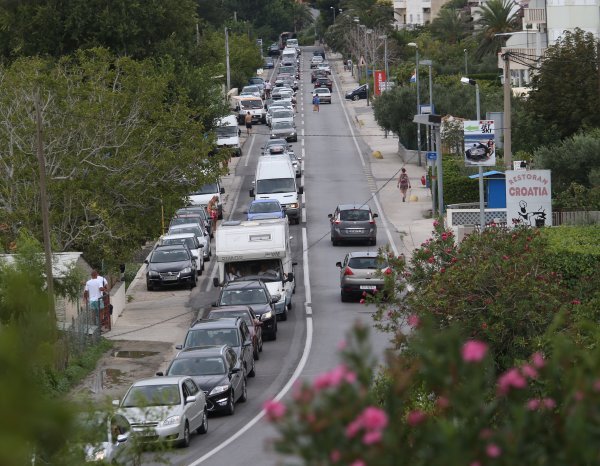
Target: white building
(411,13)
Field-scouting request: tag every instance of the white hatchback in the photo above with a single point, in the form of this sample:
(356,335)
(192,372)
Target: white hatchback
(282,115)
(190,240)
(201,234)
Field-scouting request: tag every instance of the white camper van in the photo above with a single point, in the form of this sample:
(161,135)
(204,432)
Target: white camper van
(228,134)
(258,249)
(276,179)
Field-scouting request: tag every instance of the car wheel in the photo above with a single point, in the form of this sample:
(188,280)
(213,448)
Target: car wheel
(185,442)
(373,241)
(244,395)
(355,98)
(194,283)
(260,347)
(203,429)
(230,409)
(344,297)
(335,242)
(149,287)
(255,353)
(284,315)
(252,372)
(201,270)
(289,305)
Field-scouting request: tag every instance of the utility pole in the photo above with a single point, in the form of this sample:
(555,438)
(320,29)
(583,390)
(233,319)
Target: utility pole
(197,35)
(507,113)
(227,61)
(416,46)
(44,206)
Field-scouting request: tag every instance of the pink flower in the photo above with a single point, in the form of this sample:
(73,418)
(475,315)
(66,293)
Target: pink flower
(533,404)
(372,437)
(475,463)
(493,450)
(350,377)
(579,395)
(416,417)
(529,371)
(474,351)
(431,260)
(575,301)
(511,379)
(444,236)
(353,428)
(436,223)
(596,385)
(341,346)
(443,402)
(274,410)
(359,462)
(362,301)
(549,403)
(335,456)
(538,360)
(374,418)
(443,269)
(413,320)
(333,378)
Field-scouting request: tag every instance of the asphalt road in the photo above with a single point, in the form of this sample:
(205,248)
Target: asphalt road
(335,171)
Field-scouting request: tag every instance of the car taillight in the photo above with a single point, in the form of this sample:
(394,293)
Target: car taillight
(337,222)
(348,271)
(372,221)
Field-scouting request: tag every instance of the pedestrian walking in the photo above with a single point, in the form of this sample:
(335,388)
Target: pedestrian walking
(213,212)
(316,102)
(248,120)
(403,183)
(268,90)
(93,294)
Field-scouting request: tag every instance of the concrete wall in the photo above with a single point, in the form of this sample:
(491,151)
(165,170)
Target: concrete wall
(118,300)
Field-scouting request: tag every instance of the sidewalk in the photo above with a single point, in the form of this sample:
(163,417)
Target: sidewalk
(410,220)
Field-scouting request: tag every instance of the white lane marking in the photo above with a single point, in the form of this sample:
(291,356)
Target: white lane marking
(213,273)
(303,152)
(234,203)
(304,215)
(385,225)
(302,142)
(302,132)
(249,151)
(337,89)
(293,378)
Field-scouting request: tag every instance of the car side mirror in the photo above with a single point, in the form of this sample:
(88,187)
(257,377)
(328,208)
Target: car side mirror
(160,374)
(190,399)
(338,264)
(214,304)
(245,212)
(200,246)
(290,277)
(301,190)
(251,192)
(122,438)
(375,215)
(222,191)
(178,347)
(248,343)
(330,215)
(274,299)
(234,370)
(145,261)
(116,402)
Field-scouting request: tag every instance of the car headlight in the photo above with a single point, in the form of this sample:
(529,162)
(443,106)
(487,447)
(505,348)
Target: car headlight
(153,273)
(293,206)
(219,389)
(100,455)
(173,420)
(186,270)
(293,133)
(266,316)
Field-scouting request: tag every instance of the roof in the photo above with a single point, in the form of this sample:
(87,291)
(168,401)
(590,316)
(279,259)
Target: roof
(265,201)
(224,309)
(214,323)
(363,254)
(194,351)
(354,207)
(62,262)
(167,380)
(236,284)
(490,174)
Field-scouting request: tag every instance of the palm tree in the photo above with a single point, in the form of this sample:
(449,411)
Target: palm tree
(497,16)
(449,26)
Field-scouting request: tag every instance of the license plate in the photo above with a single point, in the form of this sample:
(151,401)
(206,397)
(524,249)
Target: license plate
(368,287)
(170,278)
(355,231)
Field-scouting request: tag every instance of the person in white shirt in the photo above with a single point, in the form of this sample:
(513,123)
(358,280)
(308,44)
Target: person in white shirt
(95,288)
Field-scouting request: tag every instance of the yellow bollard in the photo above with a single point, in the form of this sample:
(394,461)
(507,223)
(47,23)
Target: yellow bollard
(377,155)
(413,198)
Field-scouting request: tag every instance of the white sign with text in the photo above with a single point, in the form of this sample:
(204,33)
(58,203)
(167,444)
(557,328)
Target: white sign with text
(528,198)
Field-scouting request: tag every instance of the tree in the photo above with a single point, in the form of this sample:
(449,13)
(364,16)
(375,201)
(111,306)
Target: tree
(497,16)
(564,95)
(449,26)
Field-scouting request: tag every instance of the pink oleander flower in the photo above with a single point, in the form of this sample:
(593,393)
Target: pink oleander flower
(436,223)
(511,379)
(529,371)
(575,301)
(353,428)
(335,456)
(333,378)
(374,418)
(444,236)
(474,351)
(549,403)
(493,450)
(415,418)
(413,320)
(359,462)
(362,301)
(341,346)
(274,410)
(442,402)
(533,404)
(431,260)
(350,377)
(372,437)
(537,359)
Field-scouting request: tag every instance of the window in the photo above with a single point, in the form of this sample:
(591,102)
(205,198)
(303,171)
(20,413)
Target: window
(355,215)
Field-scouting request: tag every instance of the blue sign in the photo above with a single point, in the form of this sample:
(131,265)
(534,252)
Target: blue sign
(431,155)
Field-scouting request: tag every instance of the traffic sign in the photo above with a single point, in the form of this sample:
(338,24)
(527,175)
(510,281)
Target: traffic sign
(431,155)
(362,62)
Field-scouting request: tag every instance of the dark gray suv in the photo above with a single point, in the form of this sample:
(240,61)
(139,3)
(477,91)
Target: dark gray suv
(353,222)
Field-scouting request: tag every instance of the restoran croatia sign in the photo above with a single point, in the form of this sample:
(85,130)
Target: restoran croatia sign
(528,198)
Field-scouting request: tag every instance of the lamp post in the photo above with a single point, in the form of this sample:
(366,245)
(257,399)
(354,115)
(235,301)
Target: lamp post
(368,32)
(385,60)
(416,46)
(466,69)
(227,62)
(472,82)
(333,9)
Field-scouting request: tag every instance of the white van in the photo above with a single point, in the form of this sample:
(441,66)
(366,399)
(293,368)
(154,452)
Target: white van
(258,249)
(251,104)
(203,196)
(289,55)
(292,43)
(228,134)
(276,179)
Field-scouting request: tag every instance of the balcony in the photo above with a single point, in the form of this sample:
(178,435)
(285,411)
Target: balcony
(399,4)
(426,4)
(534,16)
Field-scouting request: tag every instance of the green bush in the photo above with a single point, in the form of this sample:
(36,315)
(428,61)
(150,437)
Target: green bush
(458,187)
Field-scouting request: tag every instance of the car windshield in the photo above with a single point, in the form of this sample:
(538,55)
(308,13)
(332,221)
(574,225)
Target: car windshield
(322,91)
(354,215)
(152,395)
(227,131)
(283,114)
(251,104)
(173,255)
(208,365)
(275,185)
(197,231)
(184,220)
(257,80)
(243,314)
(367,263)
(212,337)
(210,188)
(282,125)
(244,296)
(189,242)
(276,142)
(264,207)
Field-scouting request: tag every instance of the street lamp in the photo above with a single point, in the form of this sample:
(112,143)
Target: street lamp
(368,32)
(228,72)
(333,9)
(416,46)
(466,69)
(472,82)
(385,60)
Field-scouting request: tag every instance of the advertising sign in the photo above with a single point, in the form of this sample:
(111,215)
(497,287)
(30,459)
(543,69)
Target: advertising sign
(528,198)
(379,78)
(480,148)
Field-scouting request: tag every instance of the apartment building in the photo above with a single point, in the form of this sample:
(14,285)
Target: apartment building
(411,13)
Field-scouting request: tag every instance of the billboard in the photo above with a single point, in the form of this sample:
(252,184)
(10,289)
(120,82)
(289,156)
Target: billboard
(480,147)
(528,198)
(379,79)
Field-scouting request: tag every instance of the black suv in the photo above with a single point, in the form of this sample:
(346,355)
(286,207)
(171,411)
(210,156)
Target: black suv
(217,371)
(253,293)
(216,332)
(170,265)
(358,93)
